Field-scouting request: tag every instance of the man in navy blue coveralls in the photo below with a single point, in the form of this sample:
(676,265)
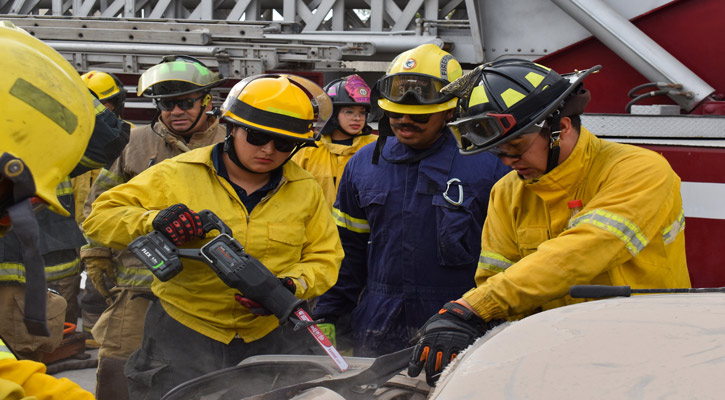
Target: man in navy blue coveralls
(409,210)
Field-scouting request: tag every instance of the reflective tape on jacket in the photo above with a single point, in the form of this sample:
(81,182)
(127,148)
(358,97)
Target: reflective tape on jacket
(133,276)
(64,270)
(15,272)
(64,188)
(107,179)
(343,220)
(5,353)
(89,163)
(493,262)
(670,232)
(621,227)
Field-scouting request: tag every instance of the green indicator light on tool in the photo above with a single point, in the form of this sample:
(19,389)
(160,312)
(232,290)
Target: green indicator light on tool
(158,265)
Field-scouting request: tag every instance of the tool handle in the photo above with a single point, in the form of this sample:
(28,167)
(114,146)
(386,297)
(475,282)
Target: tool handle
(211,221)
(597,291)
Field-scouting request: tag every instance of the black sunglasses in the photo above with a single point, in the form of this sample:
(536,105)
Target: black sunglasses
(418,118)
(258,138)
(184,104)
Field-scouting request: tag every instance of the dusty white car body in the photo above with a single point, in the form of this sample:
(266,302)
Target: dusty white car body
(643,347)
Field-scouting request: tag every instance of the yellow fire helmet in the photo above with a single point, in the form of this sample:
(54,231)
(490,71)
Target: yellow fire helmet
(282,105)
(102,84)
(47,117)
(413,81)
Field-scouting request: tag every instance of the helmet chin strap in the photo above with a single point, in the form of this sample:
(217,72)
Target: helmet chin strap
(554,145)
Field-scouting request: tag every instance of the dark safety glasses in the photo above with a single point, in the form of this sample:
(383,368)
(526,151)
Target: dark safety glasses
(413,89)
(184,104)
(418,118)
(258,138)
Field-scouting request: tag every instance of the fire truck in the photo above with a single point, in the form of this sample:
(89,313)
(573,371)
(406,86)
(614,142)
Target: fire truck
(661,86)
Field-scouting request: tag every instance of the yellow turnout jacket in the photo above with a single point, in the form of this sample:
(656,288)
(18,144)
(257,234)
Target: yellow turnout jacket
(291,231)
(630,230)
(327,161)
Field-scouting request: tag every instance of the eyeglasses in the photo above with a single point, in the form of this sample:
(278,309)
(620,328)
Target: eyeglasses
(354,114)
(258,138)
(418,118)
(413,89)
(184,104)
(515,148)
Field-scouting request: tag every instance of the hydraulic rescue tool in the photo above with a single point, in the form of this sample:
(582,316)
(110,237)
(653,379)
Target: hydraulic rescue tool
(226,256)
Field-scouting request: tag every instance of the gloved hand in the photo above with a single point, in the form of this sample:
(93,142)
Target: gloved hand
(258,309)
(179,224)
(442,337)
(98,268)
(329,330)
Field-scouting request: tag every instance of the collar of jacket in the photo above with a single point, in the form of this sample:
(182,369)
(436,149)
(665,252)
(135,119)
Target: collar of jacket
(571,173)
(290,171)
(176,140)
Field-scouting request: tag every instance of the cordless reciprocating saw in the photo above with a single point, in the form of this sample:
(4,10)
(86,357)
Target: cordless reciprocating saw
(226,256)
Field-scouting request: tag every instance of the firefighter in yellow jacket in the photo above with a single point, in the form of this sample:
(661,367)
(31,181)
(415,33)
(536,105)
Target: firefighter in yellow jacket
(345,134)
(275,209)
(575,210)
(181,90)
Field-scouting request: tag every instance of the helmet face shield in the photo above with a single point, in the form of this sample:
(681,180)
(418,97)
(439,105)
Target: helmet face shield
(176,78)
(407,88)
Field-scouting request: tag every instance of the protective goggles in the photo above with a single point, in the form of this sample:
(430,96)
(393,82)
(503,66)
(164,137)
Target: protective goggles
(418,118)
(481,130)
(258,138)
(184,104)
(413,89)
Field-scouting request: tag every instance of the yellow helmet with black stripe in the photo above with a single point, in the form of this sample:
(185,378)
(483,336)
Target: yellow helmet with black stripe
(283,105)
(48,118)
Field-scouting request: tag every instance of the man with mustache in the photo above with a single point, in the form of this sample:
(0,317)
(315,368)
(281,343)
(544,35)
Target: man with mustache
(409,209)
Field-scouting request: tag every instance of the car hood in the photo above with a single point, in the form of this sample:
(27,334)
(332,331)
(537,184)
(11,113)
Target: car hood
(654,346)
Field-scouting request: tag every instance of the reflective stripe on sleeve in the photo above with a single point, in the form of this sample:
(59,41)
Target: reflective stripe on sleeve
(670,233)
(107,179)
(5,353)
(64,188)
(87,162)
(621,227)
(133,276)
(493,262)
(343,220)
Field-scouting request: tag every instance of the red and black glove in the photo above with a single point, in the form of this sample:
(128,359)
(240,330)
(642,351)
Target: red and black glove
(179,224)
(442,337)
(258,309)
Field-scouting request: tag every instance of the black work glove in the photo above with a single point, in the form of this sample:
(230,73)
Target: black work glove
(179,224)
(258,309)
(442,337)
